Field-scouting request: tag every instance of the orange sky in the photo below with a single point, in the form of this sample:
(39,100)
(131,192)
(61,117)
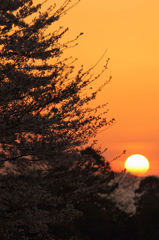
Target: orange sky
(129,29)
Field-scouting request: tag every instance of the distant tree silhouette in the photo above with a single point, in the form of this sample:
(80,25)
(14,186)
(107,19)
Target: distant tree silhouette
(43,99)
(147,208)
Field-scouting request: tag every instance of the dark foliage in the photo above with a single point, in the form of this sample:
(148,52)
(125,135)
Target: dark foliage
(62,202)
(44,111)
(43,99)
(103,220)
(147,208)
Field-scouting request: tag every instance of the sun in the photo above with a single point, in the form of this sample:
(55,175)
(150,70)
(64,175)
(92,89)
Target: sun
(137,164)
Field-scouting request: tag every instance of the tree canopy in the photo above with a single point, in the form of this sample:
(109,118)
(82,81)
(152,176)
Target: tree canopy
(45,113)
(44,99)
(52,204)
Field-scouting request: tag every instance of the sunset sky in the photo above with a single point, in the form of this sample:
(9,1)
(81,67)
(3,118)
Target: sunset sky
(129,29)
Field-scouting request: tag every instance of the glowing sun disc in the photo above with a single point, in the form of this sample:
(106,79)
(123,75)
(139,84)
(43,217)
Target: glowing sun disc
(137,164)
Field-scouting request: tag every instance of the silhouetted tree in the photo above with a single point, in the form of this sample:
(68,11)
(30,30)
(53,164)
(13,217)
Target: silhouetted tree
(57,203)
(43,99)
(102,220)
(147,208)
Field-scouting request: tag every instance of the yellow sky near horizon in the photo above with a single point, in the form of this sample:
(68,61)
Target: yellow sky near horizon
(129,29)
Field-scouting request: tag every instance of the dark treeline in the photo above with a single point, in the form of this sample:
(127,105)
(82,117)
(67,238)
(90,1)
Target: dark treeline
(66,202)
(62,202)
(54,187)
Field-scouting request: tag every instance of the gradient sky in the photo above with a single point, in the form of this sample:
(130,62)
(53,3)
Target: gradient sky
(129,29)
